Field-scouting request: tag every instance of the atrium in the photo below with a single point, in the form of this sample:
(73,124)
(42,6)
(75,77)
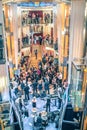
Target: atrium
(43,65)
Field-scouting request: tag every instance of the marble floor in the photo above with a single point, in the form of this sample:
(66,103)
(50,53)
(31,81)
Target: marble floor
(28,121)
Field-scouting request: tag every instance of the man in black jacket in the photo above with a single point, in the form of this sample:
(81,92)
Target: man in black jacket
(39,120)
(48,105)
(34,85)
(26,90)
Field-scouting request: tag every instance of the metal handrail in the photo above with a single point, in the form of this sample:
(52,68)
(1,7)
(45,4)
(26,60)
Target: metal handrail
(63,108)
(17,115)
(84,111)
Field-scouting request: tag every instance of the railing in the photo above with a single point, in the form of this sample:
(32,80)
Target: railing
(5,114)
(18,114)
(63,108)
(84,110)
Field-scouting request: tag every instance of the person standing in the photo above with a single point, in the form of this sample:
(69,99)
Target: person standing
(34,103)
(20,104)
(35,51)
(39,120)
(34,85)
(26,90)
(48,105)
(59,97)
(37,18)
(46,86)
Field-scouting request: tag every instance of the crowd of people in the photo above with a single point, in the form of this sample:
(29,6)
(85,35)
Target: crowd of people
(48,40)
(36,29)
(25,40)
(37,39)
(48,18)
(34,82)
(36,18)
(38,80)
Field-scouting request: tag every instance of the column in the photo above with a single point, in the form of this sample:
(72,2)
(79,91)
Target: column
(55,28)
(19,26)
(63,36)
(11,25)
(55,35)
(76,47)
(4,77)
(15,32)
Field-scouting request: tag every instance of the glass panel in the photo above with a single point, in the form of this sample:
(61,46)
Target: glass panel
(1,30)
(2,54)
(76,86)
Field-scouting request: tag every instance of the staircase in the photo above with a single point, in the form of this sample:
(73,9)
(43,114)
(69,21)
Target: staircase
(34,61)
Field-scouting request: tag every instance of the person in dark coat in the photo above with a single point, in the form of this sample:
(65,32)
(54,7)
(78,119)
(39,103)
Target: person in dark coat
(26,90)
(20,104)
(22,85)
(34,102)
(46,85)
(35,51)
(39,120)
(44,60)
(48,105)
(40,86)
(34,86)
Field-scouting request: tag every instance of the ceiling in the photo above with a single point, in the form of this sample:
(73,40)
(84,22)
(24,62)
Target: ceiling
(18,1)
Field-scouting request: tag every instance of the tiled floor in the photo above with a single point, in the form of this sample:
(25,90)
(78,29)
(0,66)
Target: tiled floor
(28,121)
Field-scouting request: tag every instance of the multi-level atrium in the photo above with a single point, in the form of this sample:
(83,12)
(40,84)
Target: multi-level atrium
(43,65)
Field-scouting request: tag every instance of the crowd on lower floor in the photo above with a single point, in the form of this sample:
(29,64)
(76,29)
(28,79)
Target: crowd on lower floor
(38,82)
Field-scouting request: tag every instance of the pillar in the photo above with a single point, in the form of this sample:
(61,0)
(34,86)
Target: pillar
(11,26)
(14,21)
(55,28)
(4,77)
(76,47)
(63,11)
(19,27)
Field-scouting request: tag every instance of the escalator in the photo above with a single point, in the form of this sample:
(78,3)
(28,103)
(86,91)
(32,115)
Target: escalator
(16,124)
(17,119)
(72,119)
(84,116)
